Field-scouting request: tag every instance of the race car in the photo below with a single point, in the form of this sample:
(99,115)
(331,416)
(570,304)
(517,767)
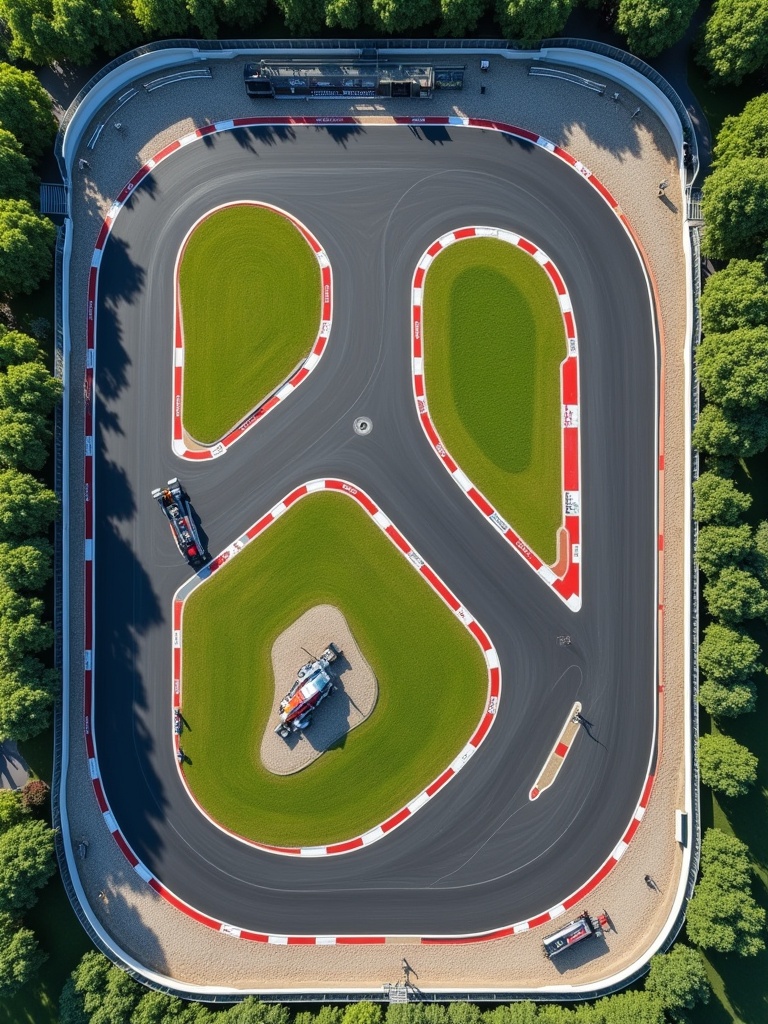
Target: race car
(313,684)
(174,501)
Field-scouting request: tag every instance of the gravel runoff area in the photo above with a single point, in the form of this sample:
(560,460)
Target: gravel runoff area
(353,678)
(630,154)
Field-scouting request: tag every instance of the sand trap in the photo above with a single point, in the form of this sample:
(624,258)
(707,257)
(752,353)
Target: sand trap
(348,705)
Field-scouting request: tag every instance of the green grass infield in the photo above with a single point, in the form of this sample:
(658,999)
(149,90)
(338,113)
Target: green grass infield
(493,343)
(431,674)
(250,293)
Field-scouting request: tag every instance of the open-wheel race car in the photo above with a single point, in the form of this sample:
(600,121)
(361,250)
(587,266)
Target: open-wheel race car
(313,684)
(174,502)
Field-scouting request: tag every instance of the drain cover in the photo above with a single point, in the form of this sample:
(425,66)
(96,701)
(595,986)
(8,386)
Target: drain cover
(363,425)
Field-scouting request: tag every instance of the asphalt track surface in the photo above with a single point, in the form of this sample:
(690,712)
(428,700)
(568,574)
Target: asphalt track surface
(480,855)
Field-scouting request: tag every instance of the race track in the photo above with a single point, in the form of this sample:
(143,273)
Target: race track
(480,855)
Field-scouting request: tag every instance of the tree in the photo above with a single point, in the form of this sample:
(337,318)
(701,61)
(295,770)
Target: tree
(735,297)
(302,16)
(727,767)
(735,208)
(26,864)
(83,26)
(27,692)
(29,387)
(396,16)
(514,1013)
(161,18)
(729,656)
(735,595)
(159,1008)
(25,440)
(746,134)
(733,367)
(17,179)
(653,25)
(16,347)
(727,701)
(20,956)
(22,630)
(12,809)
(27,508)
(628,1008)
(26,566)
(531,20)
(761,550)
(362,1013)
(460,17)
(718,500)
(26,247)
(735,40)
(721,546)
(242,12)
(98,993)
(731,433)
(25,107)
(722,914)
(29,24)
(678,979)
(347,14)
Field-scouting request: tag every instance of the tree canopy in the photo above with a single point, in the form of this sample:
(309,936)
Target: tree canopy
(720,546)
(531,20)
(16,347)
(302,17)
(733,367)
(27,507)
(735,40)
(735,595)
(29,387)
(17,179)
(679,980)
(20,956)
(727,767)
(723,915)
(728,655)
(718,500)
(727,701)
(731,433)
(26,864)
(26,247)
(735,297)
(25,106)
(735,208)
(745,134)
(651,26)
(460,17)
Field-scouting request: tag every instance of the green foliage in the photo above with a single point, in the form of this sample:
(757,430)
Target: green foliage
(161,18)
(720,546)
(29,387)
(718,500)
(26,566)
(727,767)
(25,107)
(746,134)
(678,979)
(723,915)
(531,20)
(26,864)
(398,16)
(16,347)
(22,631)
(733,433)
(251,1011)
(159,1008)
(735,297)
(20,956)
(362,1013)
(27,692)
(98,993)
(83,26)
(735,208)
(627,1008)
(245,13)
(727,701)
(651,26)
(733,367)
(12,809)
(25,440)
(302,17)
(735,40)
(27,507)
(30,26)
(347,14)
(735,595)
(26,247)
(728,655)
(515,1013)
(460,17)
(17,179)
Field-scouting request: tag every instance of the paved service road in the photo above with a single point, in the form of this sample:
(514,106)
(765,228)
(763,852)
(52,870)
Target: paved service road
(480,855)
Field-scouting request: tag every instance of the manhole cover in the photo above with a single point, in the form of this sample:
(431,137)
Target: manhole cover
(363,425)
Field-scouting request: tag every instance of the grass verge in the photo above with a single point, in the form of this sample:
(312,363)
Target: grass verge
(494,341)
(250,298)
(431,675)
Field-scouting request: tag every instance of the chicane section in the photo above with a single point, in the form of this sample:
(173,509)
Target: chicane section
(468,865)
